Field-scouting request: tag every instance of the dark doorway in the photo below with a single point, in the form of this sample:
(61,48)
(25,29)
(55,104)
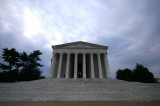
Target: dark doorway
(72,66)
(79,70)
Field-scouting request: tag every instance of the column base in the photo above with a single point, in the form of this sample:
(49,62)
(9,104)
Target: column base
(75,78)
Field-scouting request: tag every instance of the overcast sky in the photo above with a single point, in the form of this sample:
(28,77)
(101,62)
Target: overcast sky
(131,29)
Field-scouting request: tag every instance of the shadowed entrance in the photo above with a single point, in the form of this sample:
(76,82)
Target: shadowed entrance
(80,67)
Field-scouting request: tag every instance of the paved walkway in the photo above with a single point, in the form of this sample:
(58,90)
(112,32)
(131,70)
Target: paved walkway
(79,90)
(79,103)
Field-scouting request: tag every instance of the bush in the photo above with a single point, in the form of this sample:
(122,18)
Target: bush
(29,75)
(9,76)
(125,74)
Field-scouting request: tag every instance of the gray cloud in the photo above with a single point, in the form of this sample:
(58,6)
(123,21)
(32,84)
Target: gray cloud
(129,28)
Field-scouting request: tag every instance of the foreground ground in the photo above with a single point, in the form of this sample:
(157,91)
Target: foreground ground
(79,90)
(79,103)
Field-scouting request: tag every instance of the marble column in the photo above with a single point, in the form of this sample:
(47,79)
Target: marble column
(99,66)
(67,65)
(92,66)
(52,71)
(60,66)
(106,66)
(75,65)
(84,65)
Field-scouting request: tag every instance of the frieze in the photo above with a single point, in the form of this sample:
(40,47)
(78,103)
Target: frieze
(79,51)
(79,46)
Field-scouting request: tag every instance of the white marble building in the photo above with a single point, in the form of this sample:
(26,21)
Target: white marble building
(79,60)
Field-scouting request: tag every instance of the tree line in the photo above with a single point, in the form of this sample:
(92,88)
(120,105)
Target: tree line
(138,74)
(20,66)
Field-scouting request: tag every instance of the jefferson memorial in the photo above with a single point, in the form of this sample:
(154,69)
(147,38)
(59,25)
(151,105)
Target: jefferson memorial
(79,60)
(79,72)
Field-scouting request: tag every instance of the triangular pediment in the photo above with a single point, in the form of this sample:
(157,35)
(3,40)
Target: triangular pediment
(79,44)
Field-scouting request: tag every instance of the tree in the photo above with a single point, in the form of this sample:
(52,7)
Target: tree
(20,65)
(142,74)
(124,74)
(11,57)
(139,74)
(30,70)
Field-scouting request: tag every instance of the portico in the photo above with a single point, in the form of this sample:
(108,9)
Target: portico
(79,60)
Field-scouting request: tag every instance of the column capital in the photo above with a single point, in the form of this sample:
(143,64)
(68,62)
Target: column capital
(68,53)
(61,53)
(84,53)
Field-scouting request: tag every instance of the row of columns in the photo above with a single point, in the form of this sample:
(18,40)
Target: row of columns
(106,66)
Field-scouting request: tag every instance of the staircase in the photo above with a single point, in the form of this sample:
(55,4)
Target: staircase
(79,90)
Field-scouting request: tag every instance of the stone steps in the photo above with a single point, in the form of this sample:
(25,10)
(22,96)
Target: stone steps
(78,90)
